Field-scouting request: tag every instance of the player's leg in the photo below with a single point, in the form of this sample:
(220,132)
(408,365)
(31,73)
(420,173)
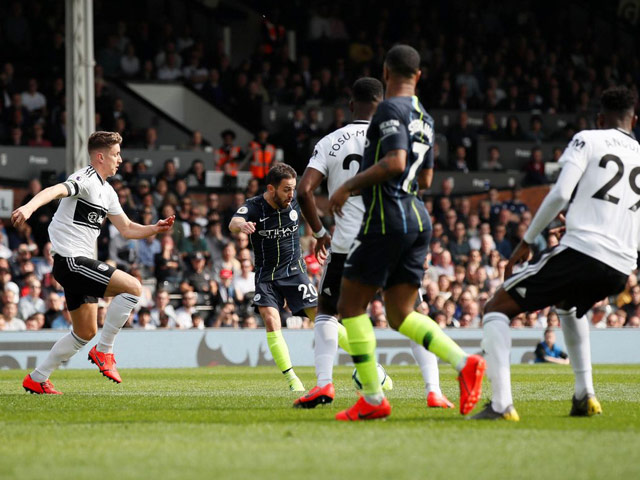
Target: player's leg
(278,346)
(126,291)
(428,364)
(496,344)
(578,343)
(84,321)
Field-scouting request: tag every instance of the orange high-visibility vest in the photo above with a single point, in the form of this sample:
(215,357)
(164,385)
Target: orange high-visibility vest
(227,161)
(262,157)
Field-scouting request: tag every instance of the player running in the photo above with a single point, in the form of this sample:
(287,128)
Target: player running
(394,239)
(86,199)
(599,183)
(272,221)
(337,157)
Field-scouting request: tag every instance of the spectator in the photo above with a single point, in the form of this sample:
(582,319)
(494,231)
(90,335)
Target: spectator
(162,314)
(129,62)
(228,157)
(31,303)
(198,277)
(32,99)
(185,312)
(38,139)
(548,352)
(534,169)
(144,320)
(12,322)
(493,162)
(167,266)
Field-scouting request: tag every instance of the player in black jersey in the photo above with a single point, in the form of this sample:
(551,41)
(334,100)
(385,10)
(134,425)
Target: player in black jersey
(390,249)
(272,220)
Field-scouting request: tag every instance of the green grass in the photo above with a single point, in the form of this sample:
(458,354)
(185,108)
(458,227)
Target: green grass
(238,423)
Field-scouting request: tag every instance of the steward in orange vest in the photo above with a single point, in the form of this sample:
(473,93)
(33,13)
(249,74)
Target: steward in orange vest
(263,155)
(227,157)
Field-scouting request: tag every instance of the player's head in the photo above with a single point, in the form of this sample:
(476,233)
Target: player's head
(104,151)
(617,108)
(281,184)
(366,93)
(402,63)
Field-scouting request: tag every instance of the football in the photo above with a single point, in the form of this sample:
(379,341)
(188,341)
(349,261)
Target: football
(382,376)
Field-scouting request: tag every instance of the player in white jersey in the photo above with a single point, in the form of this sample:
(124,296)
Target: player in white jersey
(86,200)
(337,157)
(599,182)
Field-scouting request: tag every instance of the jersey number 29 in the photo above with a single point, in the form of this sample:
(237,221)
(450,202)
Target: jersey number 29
(603,193)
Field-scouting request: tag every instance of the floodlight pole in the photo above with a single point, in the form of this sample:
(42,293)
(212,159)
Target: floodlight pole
(79,84)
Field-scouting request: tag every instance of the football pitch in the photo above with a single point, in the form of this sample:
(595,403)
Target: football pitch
(236,422)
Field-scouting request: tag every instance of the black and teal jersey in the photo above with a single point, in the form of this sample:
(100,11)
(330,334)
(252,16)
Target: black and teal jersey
(400,123)
(276,241)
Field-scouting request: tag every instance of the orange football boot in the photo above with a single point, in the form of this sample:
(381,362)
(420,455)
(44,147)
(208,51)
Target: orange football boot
(106,364)
(362,410)
(438,401)
(316,396)
(46,387)
(470,380)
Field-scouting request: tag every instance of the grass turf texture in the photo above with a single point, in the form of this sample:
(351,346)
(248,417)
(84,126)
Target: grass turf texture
(238,423)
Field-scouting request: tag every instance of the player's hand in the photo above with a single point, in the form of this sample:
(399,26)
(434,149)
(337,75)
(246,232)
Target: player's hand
(248,228)
(20,215)
(558,232)
(166,224)
(521,254)
(322,248)
(337,200)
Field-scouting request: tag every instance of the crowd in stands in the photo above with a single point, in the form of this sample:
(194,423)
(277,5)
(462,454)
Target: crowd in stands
(493,57)
(200,275)
(490,57)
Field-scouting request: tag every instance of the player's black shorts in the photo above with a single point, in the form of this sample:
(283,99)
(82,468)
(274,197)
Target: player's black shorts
(566,277)
(84,279)
(297,290)
(388,260)
(330,284)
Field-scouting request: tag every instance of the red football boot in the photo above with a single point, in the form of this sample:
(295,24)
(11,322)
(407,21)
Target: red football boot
(470,380)
(106,364)
(43,388)
(365,411)
(438,401)
(316,396)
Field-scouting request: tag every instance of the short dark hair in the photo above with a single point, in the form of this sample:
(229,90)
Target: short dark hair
(618,99)
(403,60)
(100,140)
(367,90)
(279,172)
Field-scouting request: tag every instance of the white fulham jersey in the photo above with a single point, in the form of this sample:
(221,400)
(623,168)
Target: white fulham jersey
(76,225)
(337,156)
(603,220)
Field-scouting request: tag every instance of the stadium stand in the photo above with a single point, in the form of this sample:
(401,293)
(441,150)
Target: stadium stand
(501,103)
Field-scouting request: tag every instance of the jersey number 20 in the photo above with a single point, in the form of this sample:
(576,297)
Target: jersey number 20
(603,193)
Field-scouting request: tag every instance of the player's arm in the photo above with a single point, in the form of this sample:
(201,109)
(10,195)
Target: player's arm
(425,177)
(574,161)
(391,165)
(311,180)
(133,230)
(22,214)
(241,221)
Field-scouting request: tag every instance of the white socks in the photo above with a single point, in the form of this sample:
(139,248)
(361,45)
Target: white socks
(62,350)
(325,332)
(577,341)
(428,364)
(117,315)
(496,343)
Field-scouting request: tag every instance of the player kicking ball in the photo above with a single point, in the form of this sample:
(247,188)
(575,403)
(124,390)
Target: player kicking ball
(86,200)
(393,241)
(337,158)
(599,185)
(272,221)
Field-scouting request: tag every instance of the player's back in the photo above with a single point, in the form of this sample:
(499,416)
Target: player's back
(603,219)
(337,156)
(400,123)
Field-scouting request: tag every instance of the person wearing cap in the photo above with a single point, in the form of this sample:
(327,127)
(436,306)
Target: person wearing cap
(199,278)
(228,156)
(263,155)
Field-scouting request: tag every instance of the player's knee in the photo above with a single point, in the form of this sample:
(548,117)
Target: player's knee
(135,287)
(86,332)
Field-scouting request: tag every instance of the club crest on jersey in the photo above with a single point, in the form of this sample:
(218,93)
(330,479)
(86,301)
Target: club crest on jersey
(93,217)
(242,210)
(103,267)
(256,297)
(293,215)
(418,126)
